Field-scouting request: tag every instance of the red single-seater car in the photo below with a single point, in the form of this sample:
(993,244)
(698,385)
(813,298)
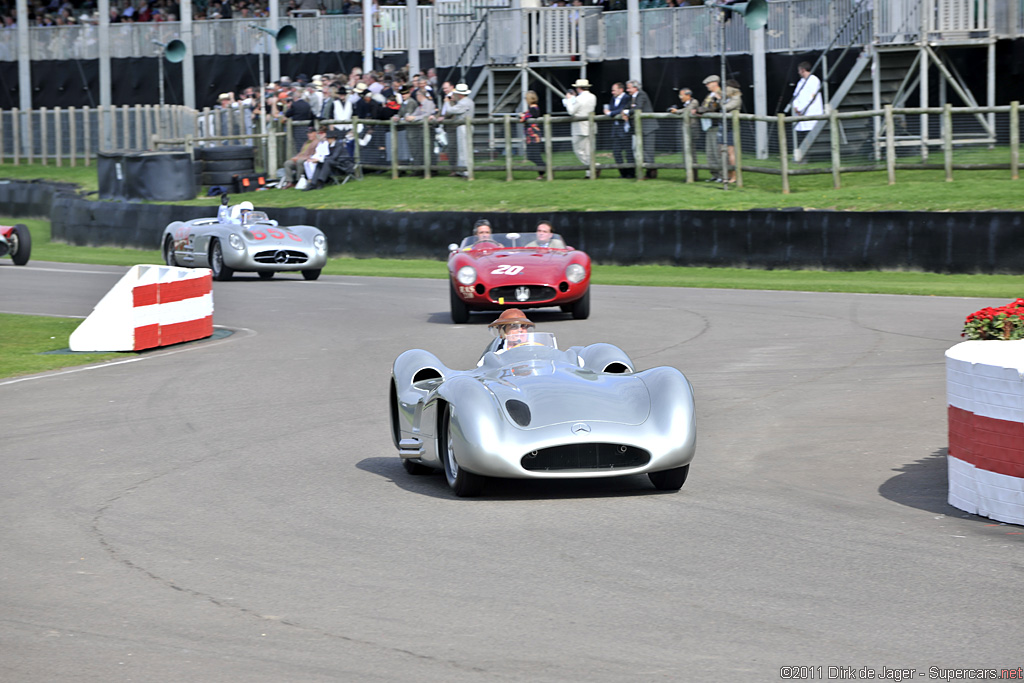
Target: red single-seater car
(16,241)
(513,270)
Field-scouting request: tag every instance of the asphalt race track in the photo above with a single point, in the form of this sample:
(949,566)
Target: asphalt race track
(233,510)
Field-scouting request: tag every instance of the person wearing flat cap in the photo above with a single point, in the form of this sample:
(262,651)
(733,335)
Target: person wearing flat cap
(512,328)
(580,102)
(712,104)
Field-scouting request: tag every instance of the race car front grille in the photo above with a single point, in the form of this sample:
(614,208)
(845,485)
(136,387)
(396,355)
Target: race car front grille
(523,293)
(585,456)
(281,257)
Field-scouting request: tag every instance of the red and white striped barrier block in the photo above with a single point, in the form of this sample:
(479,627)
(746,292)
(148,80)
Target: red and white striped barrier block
(985,395)
(150,306)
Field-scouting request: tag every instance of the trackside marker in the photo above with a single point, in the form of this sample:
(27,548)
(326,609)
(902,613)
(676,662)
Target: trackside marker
(150,306)
(985,398)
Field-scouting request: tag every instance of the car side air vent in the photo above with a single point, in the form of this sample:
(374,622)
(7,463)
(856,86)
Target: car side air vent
(518,411)
(617,368)
(425,373)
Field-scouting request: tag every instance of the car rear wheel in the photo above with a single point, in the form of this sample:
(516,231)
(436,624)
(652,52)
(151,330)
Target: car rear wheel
(581,307)
(169,252)
(311,274)
(21,244)
(669,480)
(460,311)
(464,484)
(220,271)
(266,274)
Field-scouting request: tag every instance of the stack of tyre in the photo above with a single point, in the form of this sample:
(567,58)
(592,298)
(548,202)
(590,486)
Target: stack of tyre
(218,165)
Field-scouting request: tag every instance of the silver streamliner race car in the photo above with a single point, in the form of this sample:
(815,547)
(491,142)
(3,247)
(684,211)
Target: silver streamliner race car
(243,240)
(534,411)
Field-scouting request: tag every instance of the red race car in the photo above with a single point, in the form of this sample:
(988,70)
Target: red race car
(512,270)
(16,241)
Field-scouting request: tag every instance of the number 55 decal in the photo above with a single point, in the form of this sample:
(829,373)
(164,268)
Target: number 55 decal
(507,270)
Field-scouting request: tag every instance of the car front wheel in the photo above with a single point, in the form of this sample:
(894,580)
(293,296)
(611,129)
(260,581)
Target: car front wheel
(669,480)
(311,274)
(169,252)
(464,484)
(21,244)
(220,271)
(460,311)
(581,307)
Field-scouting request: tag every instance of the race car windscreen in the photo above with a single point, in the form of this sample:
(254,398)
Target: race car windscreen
(501,240)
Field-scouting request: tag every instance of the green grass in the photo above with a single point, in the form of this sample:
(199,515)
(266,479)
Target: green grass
(913,191)
(27,338)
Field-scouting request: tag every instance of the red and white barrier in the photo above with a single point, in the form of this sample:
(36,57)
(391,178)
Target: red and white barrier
(150,306)
(985,397)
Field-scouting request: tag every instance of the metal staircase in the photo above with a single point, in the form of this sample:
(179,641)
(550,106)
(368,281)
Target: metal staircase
(909,38)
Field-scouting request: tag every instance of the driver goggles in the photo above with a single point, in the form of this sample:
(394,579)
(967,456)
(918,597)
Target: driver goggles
(515,327)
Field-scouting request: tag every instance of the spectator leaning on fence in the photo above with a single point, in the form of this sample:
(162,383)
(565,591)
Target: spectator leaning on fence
(459,113)
(807,100)
(688,103)
(712,104)
(580,102)
(641,103)
(733,102)
(621,142)
(532,133)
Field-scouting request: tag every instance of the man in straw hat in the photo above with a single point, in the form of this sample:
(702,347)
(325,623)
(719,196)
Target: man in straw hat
(461,111)
(580,102)
(512,329)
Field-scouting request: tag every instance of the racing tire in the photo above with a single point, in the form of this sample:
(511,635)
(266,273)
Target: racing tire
(460,311)
(221,272)
(169,252)
(416,469)
(219,177)
(232,165)
(265,274)
(21,244)
(226,152)
(311,274)
(581,307)
(669,480)
(464,484)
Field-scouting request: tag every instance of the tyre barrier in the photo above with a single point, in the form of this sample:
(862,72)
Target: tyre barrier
(985,397)
(150,306)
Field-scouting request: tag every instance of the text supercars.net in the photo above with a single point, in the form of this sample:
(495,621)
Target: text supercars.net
(884,673)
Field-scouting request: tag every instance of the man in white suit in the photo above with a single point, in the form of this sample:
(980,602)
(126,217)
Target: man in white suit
(579,101)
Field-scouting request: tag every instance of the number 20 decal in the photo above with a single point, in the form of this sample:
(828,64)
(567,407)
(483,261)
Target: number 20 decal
(507,270)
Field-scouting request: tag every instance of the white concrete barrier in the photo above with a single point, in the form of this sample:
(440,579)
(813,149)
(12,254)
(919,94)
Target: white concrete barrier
(985,397)
(150,306)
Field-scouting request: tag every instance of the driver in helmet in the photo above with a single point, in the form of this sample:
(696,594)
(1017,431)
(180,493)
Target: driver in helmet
(512,328)
(240,212)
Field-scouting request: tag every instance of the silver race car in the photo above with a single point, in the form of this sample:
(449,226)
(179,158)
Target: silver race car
(534,411)
(241,239)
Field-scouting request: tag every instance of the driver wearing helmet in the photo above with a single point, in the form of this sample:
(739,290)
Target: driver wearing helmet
(512,328)
(240,211)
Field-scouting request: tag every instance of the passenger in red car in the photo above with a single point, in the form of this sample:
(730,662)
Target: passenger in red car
(546,237)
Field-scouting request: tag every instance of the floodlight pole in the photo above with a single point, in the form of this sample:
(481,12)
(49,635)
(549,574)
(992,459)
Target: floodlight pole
(160,68)
(725,120)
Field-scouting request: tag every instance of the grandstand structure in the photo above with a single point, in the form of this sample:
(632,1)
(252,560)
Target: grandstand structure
(868,52)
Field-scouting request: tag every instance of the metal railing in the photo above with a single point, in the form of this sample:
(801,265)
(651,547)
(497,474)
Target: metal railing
(793,25)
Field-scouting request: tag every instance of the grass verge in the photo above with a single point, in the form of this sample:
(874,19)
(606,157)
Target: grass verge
(27,339)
